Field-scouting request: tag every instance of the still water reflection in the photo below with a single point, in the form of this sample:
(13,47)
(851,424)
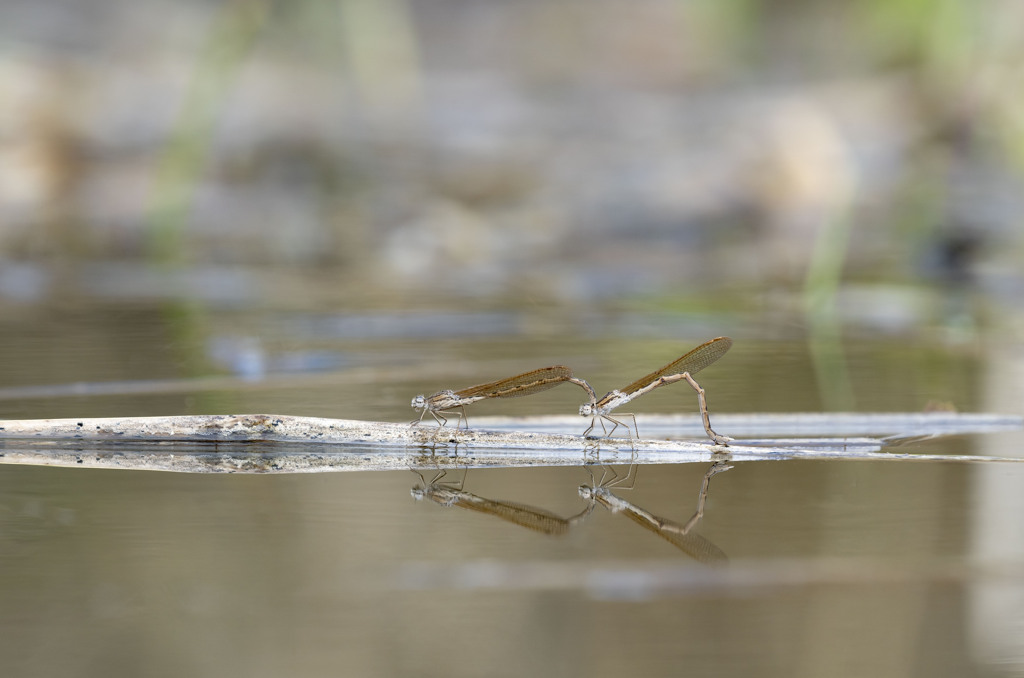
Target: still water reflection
(596,493)
(681,536)
(835,568)
(530,517)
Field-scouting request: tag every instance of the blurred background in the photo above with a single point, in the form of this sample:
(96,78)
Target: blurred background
(194,188)
(326,207)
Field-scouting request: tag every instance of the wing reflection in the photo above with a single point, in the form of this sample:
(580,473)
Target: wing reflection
(530,517)
(682,537)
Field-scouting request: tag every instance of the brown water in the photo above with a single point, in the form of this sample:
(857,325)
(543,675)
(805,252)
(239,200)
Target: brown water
(835,568)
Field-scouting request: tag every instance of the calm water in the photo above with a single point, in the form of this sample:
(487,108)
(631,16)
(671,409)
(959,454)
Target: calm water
(835,568)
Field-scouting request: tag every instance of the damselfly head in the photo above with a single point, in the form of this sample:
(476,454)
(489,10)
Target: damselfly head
(587,409)
(419,402)
(586,492)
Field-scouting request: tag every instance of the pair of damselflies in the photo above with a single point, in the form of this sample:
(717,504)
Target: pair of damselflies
(598,409)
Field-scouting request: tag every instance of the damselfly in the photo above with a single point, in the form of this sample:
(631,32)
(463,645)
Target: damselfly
(527,383)
(681,369)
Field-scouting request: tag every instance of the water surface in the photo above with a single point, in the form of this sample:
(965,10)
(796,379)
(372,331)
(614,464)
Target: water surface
(834,567)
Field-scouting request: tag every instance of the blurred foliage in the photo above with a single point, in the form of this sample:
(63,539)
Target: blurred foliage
(186,154)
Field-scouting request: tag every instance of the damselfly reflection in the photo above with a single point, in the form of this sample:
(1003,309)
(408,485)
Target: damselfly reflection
(527,383)
(681,369)
(530,517)
(681,536)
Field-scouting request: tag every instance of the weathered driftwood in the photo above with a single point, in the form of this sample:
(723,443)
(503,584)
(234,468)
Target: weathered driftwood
(259,443)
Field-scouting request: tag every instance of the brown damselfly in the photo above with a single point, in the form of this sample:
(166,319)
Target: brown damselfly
(527,383)
(680,369)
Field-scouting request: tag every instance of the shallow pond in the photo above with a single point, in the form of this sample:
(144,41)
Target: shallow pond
(797,567)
